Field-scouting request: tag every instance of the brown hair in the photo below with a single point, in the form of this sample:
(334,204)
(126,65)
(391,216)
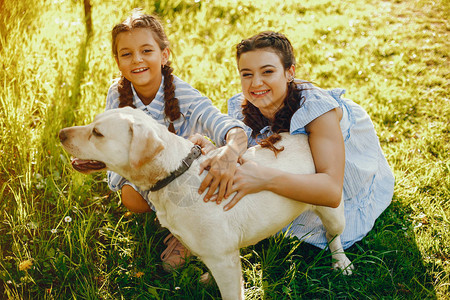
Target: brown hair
(253,118)
(140,20)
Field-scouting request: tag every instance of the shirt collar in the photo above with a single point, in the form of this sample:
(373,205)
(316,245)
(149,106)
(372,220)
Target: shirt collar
(156,107)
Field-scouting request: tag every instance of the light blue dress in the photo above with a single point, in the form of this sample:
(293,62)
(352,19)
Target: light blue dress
(368,180)
(199,115)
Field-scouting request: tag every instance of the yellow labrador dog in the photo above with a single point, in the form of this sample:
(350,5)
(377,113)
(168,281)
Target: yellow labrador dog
(132,144)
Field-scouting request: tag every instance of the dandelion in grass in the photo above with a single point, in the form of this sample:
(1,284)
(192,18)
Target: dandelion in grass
(68,219)
(139,274)
(25,265)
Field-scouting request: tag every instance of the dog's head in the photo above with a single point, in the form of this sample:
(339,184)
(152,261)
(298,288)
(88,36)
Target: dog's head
(118,139)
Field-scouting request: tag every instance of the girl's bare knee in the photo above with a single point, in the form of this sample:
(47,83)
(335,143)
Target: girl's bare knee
(133,200)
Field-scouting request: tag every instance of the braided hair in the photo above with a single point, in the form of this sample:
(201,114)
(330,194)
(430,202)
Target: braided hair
(140,20)
(253,117)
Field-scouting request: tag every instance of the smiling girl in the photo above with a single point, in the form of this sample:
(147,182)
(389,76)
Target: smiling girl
(345,148)
(141,51)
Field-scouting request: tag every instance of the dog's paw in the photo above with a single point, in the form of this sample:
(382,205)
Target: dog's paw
(343,264)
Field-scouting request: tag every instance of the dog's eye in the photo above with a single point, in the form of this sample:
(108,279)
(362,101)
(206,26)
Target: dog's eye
(96,133)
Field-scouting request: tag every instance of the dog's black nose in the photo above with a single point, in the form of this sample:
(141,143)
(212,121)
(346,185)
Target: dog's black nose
(62,135)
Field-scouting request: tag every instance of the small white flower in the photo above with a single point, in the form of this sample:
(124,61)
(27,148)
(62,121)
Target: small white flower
(54,230)
(177,288)
(9,282)
(68,219)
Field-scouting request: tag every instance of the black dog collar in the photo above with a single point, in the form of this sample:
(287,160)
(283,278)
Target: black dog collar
(195,153)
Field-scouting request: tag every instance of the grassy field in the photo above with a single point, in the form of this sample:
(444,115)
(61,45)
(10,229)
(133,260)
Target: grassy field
(64,235)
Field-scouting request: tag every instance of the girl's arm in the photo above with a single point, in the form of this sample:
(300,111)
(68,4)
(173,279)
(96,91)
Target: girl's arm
(322,188)
(224,131)
(221,167)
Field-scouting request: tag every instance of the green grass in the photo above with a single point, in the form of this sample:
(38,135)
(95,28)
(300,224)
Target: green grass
(391,57)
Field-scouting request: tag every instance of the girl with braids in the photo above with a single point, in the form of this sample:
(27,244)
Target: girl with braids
(141,51)
(345,148)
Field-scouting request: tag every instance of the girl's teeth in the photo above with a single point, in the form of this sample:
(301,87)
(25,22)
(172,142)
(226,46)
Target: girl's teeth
(259,93)
(139,70)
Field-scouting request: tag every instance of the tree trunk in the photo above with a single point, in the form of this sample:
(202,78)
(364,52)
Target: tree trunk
(88,17)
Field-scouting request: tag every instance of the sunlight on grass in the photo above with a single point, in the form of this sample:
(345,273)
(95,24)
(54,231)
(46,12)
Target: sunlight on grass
(65,235)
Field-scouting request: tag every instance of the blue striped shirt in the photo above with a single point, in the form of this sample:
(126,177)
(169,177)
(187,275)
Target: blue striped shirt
(368,180)
(199,115)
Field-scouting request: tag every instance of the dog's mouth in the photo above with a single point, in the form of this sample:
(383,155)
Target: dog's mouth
(87,166)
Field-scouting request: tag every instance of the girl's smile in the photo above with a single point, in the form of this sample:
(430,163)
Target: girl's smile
(260,93)
(140,70)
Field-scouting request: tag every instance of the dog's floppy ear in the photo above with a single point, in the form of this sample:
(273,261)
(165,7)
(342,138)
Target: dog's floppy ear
(145,145)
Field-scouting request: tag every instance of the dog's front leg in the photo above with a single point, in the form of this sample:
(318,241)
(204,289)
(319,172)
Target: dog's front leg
(226,270)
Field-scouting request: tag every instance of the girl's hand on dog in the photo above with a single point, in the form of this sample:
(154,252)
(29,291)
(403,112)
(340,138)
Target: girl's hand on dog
(221,168)
(222,165)
(249,178)
(206,145)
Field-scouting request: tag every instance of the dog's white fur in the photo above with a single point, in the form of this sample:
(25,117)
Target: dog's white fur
(138,148)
